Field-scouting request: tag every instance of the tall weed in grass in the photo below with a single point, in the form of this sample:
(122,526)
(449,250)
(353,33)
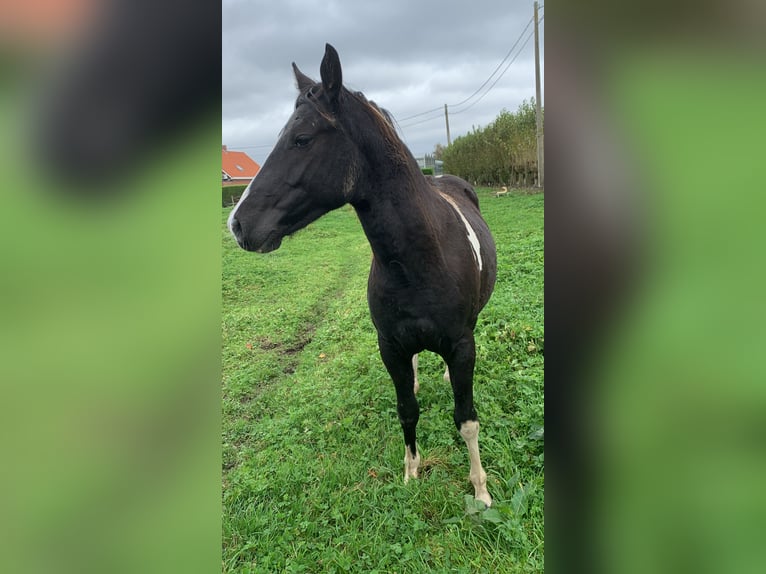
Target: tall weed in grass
(312,447)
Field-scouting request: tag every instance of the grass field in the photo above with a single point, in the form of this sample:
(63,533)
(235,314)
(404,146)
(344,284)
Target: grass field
(312,447)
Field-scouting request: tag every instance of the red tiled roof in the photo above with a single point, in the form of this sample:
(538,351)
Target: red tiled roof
(39,21)
(238,165)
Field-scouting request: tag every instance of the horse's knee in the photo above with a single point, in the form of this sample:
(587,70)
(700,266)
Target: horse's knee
(409,418)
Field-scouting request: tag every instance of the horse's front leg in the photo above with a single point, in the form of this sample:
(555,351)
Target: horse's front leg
(400,367)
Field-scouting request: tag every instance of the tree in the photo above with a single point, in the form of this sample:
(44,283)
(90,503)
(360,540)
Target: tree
(502,153)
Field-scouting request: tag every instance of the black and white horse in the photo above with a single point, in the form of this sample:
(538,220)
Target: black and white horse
(434,262)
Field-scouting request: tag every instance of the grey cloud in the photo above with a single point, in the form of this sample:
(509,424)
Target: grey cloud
(407,56)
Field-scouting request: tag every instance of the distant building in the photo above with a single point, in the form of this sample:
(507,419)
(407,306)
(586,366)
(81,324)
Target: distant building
(429,160)
(237,167)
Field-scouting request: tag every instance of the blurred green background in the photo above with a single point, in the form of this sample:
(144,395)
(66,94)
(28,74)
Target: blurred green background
(109,354)
(660,109)
(681,405)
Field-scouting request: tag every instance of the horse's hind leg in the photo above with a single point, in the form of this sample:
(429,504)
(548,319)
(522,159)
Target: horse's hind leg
(399,366)
(461,364)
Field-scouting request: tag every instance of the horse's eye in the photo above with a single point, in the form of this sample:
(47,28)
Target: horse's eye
(302,140)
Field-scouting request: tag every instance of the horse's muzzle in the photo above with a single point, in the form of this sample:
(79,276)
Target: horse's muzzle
(271,242)
(236,229)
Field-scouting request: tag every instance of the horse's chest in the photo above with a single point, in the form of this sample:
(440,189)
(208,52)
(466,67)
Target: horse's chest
(419,316)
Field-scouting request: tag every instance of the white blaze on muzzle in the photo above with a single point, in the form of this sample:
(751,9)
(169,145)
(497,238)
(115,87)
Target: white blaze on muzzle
(236,207)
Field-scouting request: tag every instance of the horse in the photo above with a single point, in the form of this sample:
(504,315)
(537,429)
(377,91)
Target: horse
(434,263)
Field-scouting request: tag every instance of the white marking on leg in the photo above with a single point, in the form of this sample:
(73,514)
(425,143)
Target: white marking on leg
(446,374)
(469,430)
(415,371)
(411,464)
(236,207)
(472,238)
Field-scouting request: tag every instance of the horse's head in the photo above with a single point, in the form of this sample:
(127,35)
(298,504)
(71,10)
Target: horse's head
(312,169)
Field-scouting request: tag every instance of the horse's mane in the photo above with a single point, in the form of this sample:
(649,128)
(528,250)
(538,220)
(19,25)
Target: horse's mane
(387,143)
(384,123)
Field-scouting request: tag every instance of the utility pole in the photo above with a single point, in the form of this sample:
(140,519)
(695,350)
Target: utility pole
(540,145)
(446,119)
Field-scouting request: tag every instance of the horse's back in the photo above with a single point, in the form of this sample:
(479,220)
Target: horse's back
(457,188)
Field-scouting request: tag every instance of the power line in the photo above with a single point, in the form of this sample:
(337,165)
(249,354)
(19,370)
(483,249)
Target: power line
(437,112)
(437,116)
(508,65)
(421,114)
(529,36)
(496,69)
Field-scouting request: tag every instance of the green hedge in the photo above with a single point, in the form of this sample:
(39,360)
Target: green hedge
(502,153)
(231,193)
(427,170)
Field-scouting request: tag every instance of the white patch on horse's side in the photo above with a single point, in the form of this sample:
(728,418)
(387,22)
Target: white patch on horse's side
(415,371)
(236,207)
(469,430)
(411,464)
(472,238)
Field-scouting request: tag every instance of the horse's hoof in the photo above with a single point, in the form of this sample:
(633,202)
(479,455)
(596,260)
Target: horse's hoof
(485,498)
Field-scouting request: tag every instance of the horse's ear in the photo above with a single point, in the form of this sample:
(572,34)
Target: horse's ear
(332,77)
(304,82)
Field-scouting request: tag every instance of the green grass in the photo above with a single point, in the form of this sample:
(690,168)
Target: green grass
(312,447)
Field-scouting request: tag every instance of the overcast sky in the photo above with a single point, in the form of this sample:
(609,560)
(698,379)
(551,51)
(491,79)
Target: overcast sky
(409,56)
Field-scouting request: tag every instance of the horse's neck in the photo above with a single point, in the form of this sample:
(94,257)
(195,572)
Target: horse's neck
(395,219)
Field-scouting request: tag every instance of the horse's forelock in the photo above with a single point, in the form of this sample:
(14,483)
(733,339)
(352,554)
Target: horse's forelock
(311,96)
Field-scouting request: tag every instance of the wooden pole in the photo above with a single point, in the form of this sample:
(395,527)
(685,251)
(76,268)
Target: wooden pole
(446,119)
(539,114)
